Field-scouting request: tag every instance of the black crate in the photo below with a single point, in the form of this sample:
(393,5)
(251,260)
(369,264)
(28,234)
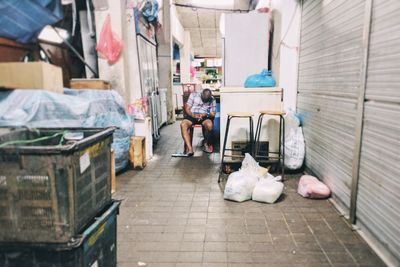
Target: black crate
(50,190)
(97,246)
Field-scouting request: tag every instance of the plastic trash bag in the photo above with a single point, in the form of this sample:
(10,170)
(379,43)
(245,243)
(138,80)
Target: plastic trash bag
(268,189)
(263,79)
(311,187)
(109,45)
(294,149)
(250,165)
(240,186)
(291,122)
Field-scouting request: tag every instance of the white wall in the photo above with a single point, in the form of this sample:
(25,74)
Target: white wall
(124,75)
(177,30)
(185,58)
(165,59)
(116,73)
(182,37)
(286,20)
(133,74)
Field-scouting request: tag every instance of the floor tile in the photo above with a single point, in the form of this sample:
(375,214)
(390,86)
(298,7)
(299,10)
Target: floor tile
(173,215)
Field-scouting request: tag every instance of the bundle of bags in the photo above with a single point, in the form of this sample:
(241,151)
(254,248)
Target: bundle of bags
(253,182)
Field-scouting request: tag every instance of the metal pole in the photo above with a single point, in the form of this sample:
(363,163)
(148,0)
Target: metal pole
(360,112)
(75,52)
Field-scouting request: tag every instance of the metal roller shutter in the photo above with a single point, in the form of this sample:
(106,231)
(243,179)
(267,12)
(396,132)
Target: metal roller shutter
(378,199)
(329,83)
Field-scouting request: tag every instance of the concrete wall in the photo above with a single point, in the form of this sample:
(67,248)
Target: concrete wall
(124,75)
(133,58)
(185,53)
(177,30)
(165,58)
(116,73)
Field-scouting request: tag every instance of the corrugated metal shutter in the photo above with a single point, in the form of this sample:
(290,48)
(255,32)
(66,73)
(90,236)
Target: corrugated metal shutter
(329,83)
(378,200)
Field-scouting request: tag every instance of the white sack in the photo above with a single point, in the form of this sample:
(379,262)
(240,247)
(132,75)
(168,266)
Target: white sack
(294,149)
(268,190)
(240,185)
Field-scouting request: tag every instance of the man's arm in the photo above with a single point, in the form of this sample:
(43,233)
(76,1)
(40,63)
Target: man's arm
(213,110)
(188,107)
(188,110)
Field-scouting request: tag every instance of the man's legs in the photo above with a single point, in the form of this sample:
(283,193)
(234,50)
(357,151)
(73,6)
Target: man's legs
(185,126)
(207,133)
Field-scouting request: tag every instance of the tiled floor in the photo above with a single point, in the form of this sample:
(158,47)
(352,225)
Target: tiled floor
(174,214)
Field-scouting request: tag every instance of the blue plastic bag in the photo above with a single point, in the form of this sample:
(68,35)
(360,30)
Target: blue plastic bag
(263,79)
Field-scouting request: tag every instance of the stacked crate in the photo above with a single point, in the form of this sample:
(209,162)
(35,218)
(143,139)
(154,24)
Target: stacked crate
(55,198)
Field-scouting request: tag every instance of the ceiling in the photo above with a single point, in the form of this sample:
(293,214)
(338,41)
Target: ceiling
(203,24)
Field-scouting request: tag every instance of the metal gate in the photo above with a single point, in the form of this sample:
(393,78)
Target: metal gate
(349,98)
(329,81)
(378,198)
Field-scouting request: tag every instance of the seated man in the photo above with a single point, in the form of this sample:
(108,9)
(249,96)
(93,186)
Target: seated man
(199,109)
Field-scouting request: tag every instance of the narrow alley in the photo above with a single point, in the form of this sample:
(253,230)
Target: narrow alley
(173,214)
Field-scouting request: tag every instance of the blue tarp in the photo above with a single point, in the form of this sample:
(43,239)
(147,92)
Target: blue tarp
(23,20)
(75,108)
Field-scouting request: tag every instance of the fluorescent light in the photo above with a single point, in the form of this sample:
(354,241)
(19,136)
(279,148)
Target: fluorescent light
(49,34)
(214,3)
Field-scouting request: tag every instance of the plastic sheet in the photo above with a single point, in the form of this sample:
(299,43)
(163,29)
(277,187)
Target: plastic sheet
(23,20)
(75,108)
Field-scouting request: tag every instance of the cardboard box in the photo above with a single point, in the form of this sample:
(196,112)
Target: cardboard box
(31,75)
(90,84)
(137,152)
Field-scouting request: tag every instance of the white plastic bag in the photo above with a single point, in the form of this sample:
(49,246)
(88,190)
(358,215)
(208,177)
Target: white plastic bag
(268,190)
(291,122)
(294,149)
(250,165)
(311,187)
(240,185)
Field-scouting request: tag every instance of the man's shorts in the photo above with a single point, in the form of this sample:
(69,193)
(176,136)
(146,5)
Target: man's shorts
(196,121)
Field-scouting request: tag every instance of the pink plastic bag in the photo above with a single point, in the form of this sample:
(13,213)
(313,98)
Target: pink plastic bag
(311,187)
(109,45)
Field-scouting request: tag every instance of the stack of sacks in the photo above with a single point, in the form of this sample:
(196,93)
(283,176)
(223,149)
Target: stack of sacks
(253,182)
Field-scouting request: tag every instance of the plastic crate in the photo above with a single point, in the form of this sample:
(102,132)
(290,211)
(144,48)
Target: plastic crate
(97,246)
(50,190)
